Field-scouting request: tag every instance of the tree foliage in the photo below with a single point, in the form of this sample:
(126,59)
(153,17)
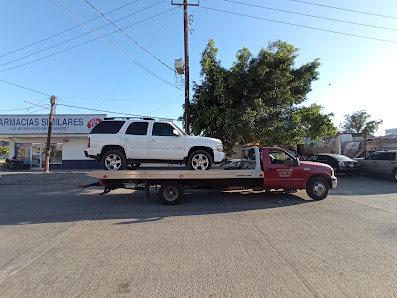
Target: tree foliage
(358,123)
(258,99)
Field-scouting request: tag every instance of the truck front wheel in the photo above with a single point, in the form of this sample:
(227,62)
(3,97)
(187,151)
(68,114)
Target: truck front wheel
(171,193)
(317,188)
(200,160)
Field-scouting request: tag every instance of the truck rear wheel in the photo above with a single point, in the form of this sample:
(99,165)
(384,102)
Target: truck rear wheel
(171,193)
(114,160)
(317,188)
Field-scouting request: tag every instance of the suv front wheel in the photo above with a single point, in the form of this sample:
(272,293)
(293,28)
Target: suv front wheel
(114,160)
(200,160)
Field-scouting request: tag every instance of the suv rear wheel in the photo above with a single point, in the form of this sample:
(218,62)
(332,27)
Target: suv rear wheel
(200,160)
(114,160)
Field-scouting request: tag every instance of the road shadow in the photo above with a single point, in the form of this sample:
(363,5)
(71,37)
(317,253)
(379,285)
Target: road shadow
(52,204)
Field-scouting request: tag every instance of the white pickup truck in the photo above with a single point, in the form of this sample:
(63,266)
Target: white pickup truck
(121,143)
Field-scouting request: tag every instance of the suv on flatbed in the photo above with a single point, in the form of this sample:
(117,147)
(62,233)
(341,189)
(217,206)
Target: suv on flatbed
(126,142)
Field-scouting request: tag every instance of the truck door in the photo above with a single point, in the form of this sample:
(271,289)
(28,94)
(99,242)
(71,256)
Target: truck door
(281,172)
(164,144)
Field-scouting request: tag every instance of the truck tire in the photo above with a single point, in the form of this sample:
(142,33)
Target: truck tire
(317,188)
(114,160)
(171,193)
(199,160)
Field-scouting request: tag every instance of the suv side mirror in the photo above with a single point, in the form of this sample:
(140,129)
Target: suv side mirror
(175,132)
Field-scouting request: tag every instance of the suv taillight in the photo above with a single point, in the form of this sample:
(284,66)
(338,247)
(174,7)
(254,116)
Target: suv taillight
(89,143)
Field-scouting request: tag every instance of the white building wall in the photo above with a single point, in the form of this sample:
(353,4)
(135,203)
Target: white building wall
(73,148)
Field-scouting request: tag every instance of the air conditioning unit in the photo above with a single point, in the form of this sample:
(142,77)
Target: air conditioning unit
(179,66)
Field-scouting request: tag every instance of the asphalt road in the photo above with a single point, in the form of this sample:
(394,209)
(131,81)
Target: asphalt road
(60,241)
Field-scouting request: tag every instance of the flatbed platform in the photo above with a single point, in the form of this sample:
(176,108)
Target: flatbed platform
(162,174)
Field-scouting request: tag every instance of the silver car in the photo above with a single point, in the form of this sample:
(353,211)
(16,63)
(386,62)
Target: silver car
(380,162)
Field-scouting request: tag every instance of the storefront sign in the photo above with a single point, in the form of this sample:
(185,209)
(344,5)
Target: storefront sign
(38,124)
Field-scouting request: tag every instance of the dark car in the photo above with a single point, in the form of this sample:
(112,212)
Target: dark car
(340,163)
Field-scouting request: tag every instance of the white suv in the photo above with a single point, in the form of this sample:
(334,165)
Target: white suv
(125,142)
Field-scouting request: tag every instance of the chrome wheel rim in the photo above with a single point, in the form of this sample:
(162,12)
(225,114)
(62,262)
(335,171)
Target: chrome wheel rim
(171,193)
(200,162)
(319,189)
(113,162)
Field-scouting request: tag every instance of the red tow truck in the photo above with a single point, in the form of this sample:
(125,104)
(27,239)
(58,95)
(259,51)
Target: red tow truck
(260,168)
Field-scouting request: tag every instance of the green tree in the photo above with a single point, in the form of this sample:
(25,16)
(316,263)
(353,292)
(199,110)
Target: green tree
(258,99)
(358,123)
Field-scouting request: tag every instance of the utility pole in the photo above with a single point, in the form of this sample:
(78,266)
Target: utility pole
(47,153)
(186,38)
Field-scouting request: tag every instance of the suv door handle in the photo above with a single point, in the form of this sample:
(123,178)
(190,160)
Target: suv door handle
(154,140)
(375,162)
(125,139)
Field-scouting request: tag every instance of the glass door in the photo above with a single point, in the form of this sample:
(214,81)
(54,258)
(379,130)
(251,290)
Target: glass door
(36,161)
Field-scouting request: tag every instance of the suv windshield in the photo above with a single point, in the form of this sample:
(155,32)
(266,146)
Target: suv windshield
(107,127)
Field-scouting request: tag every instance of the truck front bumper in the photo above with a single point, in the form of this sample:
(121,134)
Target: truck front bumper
(334,182)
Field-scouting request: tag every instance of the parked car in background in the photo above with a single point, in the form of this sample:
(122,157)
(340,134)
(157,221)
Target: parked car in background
(340,163)
(380,162)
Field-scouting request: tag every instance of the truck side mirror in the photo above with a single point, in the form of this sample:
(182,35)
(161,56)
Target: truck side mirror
(296,162)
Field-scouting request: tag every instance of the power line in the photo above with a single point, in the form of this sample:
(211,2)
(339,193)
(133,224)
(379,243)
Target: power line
(345,9)
(297,25)
(312,16)
(121,30)
(133,60)
(78,36)
(47,38)
(24,87)
(104,111)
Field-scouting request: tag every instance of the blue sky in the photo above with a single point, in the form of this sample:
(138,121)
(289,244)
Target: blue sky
(355,73)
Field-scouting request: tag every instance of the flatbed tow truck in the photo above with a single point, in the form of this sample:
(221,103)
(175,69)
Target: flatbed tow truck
(260,169)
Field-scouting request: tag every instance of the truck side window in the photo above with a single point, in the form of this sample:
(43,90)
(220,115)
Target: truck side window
(137,129)
(162,129)
(280,157)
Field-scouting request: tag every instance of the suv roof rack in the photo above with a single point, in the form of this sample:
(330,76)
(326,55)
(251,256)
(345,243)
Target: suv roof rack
(140,118)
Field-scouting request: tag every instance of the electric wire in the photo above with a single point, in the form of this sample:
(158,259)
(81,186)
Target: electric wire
(345,9)
(136,62)
(47,38)
(312,16)
(298,25)
(179,96)
(78,36)
(126,34)
(16,85)
(104,111)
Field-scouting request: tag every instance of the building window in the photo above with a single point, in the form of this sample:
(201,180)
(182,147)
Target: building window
(22,151)
(55,153)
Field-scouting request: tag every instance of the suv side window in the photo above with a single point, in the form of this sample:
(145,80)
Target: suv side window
(107,127)
(388,156)
(373,156)
(137,129)
(162,129)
